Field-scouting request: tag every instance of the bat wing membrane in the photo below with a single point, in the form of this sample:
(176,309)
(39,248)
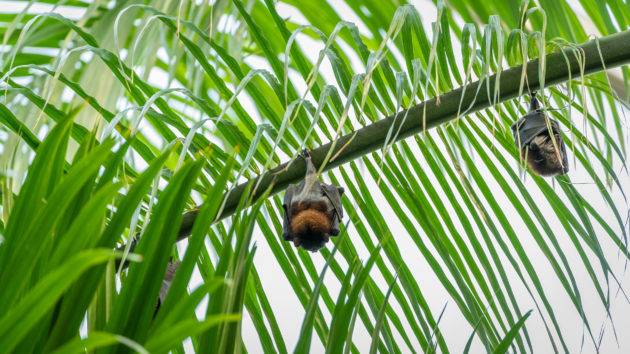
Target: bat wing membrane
(529,127)
(333,193)
(288,197)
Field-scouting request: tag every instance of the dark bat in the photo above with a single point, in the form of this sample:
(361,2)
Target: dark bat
(312,210)
(534,138)
(171,269)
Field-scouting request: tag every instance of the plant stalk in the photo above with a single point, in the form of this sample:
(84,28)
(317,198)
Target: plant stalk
(560,66)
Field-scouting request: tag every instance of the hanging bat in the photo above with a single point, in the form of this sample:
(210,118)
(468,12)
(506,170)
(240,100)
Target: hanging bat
(312,210)
(541,144)
(171,269)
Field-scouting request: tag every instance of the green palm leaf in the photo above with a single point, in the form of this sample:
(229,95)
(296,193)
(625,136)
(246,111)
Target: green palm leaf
(118,119)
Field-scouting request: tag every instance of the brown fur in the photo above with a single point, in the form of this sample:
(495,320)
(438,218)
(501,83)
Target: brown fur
(312,210)
(543,157)
(310,222)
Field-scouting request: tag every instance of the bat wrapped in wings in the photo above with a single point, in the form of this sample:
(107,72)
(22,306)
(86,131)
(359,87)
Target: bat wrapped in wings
(312,210)
(540,141)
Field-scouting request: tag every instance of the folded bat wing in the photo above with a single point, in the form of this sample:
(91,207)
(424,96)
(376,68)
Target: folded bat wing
(288,197)
(529,127)
(333,193)
(563,150)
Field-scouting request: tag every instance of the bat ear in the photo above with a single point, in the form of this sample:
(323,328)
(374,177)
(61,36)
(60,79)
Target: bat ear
(340,190)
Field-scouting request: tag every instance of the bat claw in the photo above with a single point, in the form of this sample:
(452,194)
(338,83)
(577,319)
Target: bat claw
(306,153)
(326,238)
(297,242)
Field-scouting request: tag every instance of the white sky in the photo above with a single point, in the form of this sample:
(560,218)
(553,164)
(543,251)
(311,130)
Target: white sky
(454,327)
(456,330)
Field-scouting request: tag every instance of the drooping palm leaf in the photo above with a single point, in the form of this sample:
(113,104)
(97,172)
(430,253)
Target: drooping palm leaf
(244,86)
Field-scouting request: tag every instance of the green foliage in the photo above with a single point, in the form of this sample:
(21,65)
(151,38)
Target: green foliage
(137,118)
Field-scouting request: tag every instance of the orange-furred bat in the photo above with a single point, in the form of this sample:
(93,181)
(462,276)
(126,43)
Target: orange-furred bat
(312,210)
(534,138)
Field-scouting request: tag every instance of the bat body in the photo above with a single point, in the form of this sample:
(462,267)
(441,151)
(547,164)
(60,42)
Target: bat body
(540,142)
(171,269)
(312,210)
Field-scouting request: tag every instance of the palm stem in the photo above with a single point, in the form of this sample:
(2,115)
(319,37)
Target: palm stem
(614,51)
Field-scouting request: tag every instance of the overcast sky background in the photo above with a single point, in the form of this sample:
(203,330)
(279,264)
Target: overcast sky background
(453,325)
(456,330)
